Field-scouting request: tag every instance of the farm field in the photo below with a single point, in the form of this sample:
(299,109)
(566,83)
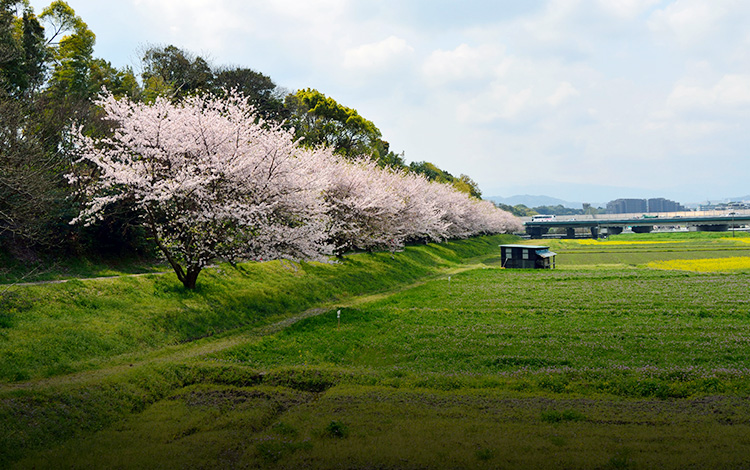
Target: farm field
(633,353)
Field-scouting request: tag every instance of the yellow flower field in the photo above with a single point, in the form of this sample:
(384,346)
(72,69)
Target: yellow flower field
(590,241)
(704,265)
(738,240)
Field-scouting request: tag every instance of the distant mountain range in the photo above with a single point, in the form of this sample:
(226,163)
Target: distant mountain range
(536,201)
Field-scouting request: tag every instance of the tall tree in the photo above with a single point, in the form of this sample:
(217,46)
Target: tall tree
(10,48)
(23,52)
(35,115)
(431,171)
(320,120)
(174,73)
(467,185)
(35,53)
(259,89)
(121,82)
(71,46)
(30,196)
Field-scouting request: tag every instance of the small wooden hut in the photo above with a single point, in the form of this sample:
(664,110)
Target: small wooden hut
(527,257)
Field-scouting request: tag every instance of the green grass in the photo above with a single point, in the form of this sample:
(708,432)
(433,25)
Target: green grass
(51,329)
(209,426)
(49,268)
(602,366)
(573,331)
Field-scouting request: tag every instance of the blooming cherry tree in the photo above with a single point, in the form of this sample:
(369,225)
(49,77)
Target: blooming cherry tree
(210,180)
(375,208)
(363,207)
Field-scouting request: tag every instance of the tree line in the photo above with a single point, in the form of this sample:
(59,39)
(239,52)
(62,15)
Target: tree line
(522,210)
(50,80)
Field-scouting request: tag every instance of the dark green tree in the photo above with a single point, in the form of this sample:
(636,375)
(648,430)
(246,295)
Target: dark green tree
(468,185)
(119,82)
(35,53)
(10,48)
(259,89)
(31,194)
(23,52)
(35,115)
(320,120)
(174,73)
(71,46)
(433,173)
(388,158)
(519,210)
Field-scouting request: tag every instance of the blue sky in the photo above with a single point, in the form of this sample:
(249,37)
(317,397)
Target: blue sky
(585,100)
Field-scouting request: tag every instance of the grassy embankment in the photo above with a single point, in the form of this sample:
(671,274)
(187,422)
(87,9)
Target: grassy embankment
(603,363)
(52,331)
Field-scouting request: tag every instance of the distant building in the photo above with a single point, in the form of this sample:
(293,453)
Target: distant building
(633,206)
(626,206)
(660,204)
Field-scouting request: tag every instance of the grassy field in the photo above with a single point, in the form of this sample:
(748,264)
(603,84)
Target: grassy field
(634,353)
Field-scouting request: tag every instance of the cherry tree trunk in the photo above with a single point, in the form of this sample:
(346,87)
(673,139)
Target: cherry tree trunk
(190,278)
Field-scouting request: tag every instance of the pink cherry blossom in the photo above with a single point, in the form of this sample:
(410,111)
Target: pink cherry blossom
(211,180)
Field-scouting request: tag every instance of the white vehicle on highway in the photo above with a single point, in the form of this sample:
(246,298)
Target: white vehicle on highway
(542,218)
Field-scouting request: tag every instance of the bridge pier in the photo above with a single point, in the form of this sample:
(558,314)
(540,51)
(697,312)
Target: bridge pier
(595,232)
(711,228)
(570,232)
(614,230)
(536,232)
(643,228)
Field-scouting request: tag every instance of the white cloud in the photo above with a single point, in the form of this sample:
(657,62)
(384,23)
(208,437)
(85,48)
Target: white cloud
(498,103)
(482,85)
(202,27)
(377,55)
(562,93)
(734,91)
(465,63)
(730,93)
(690,21)
(626,9)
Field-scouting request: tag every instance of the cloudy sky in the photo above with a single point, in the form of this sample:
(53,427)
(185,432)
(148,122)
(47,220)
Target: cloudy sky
(585,100)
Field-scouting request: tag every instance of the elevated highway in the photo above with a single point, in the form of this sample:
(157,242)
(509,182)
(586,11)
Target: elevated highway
(609,224)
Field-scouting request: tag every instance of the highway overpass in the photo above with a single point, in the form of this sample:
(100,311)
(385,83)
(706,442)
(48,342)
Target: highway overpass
(609,224)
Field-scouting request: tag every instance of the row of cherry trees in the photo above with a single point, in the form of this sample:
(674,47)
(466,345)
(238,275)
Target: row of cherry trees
(211,180)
